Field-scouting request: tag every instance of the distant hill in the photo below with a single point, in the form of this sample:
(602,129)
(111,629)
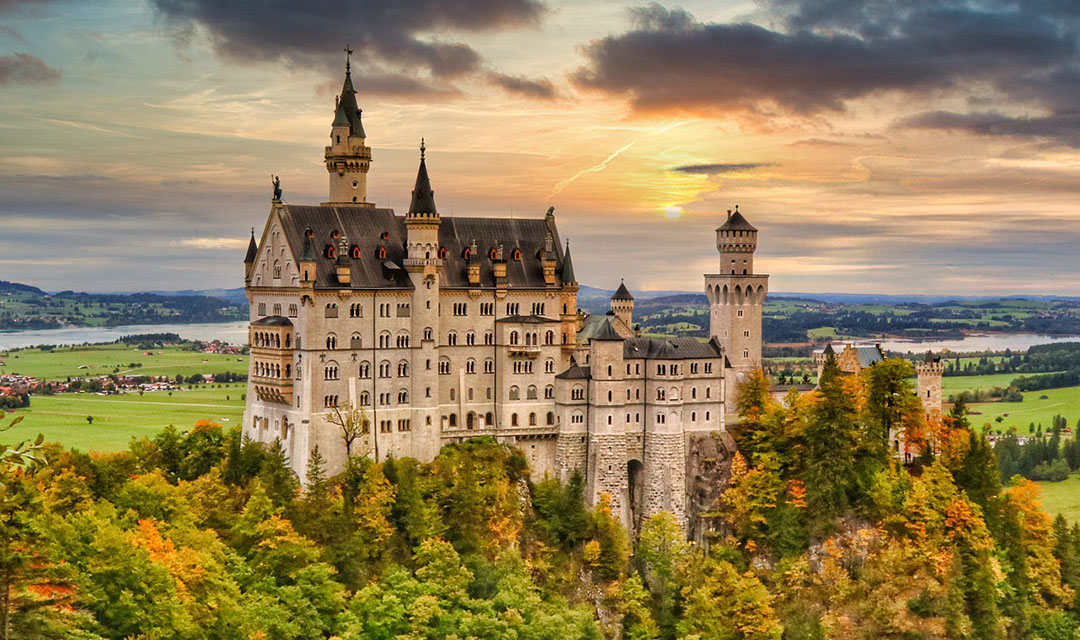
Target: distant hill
(24,307)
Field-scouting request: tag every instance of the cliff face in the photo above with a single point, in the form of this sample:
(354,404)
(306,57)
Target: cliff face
(708,470)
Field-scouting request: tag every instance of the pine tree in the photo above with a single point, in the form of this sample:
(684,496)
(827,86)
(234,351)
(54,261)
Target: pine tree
(280,481)
(831,444)
(979,475)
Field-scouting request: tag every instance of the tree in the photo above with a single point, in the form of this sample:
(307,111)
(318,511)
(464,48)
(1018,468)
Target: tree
(89,419)
(832,441)
(721,603)
(353,423)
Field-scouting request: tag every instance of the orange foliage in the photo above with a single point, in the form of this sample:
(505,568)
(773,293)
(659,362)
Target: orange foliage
(797,493)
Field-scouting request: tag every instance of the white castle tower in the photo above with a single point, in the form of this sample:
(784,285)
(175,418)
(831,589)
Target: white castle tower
(348,159)
(736,296)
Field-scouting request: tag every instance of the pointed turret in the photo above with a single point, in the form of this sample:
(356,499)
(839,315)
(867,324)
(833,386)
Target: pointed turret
(307,260)
(567,273)
(348,158)
(622,293)
(622,305)
(252,250)
(423,197)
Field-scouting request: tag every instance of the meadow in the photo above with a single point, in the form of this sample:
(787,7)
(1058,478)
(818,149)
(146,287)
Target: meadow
(1062,497)
(118,418)
(64,362)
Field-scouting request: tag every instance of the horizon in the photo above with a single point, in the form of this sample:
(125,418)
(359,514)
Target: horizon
(869,165)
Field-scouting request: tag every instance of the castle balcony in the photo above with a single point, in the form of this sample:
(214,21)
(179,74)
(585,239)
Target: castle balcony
(528,351)
(276,390)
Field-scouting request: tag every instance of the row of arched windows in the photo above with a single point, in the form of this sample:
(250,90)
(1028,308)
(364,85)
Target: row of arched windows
(530,392)
(271,340)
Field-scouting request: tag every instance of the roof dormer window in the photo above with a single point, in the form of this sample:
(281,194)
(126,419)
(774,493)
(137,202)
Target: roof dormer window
(355,252)
(493,254)
(443,253)
(329,252)
(517,255)
(380,253)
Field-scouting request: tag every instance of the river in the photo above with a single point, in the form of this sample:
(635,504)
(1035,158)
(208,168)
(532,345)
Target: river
(232,332)
(974,342)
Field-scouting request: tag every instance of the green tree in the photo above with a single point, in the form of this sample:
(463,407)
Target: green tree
(832,439)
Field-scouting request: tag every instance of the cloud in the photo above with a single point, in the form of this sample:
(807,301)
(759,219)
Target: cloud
(393,38)
(713,169)
(824,55)
(541,88)
(212,243)
(23,68)
(1062,127)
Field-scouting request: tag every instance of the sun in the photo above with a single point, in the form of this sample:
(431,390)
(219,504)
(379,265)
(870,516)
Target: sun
(673,212)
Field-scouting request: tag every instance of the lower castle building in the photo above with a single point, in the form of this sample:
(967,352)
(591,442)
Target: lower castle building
(442,329)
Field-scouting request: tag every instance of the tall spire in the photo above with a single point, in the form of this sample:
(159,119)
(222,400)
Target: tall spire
(423,198)
(347,109)
(253,249)
(567,273)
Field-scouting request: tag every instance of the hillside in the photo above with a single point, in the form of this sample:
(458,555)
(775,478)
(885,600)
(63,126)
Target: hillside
(25,307)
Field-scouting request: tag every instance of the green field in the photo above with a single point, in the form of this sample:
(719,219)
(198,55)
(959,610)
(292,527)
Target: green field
(1065,402)
(951,385)
(1062,497)
(117,418)
(99,360)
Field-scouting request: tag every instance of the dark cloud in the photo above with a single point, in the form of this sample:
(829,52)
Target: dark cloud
(1061,127)
(713,169)
(15,5)
(23,68)
(528,87)
(8,32)
(402,36)
(826,53)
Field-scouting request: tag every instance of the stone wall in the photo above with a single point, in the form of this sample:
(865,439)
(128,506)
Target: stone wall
(570,454)
(607,472)
(665,476)
(708,470)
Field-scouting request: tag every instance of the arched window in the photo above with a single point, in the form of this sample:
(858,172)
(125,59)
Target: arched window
(515,393)
(489,419)
(403,369)
(517,255)
(550,419)
(513,337)
(513,420)
(443,253)
(331,341)
(329,251)
(451,338)
(549,392)
(380,253)
(384,340)
(365,369)
(453,419)
(493,254)
(403,397)
(365,398)
(532,419)
(530,393)
(470,366)
(355,252)
(356,342)
(549,337)
(427,333)
(549,366)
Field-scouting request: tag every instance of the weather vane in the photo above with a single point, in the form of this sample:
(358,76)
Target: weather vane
(348,52)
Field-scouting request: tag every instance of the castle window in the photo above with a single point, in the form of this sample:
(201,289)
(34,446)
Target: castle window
(549,420)
(513,420)
(693,416)
(277,269)
(609,395)
(513,337)
(493,254)
(331,310)
(549,392)
(609,370)
(549,337)
(746,334)
(262,308)
(489,419)
(489,366)
(660,394)
(470,338)
(515,393)
(746,353)
(355,252)
(487,308)
(708,367)
(277,308)
(356,342)
(330,371)
(403,369)
(453,394)
(532,419)
(470,394)
(706,416)
(530,394)
(461,308)
(739,313)
(451,338)
(365,398)
(708,392)
(517,255)
(489,338)
(403,340)
(549,366)
(513,308)
(380,253)
(384,369)
(331,341)
(404,425)
(577,393)
(661,369)
(329,251)
(384,340)
(470,366)
(693,393)
(427,333)
(443,253)
(403,397)
(365,369)
(444,366)
(293,310)
(453,419)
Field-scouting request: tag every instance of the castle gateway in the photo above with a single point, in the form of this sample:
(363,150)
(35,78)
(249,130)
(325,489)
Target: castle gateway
(442,329)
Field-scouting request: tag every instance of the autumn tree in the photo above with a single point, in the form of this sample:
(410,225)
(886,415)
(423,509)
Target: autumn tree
(353,423)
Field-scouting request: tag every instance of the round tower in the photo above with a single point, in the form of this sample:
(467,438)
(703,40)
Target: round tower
(928,373)
(622,305)
(348,158)
(736,296)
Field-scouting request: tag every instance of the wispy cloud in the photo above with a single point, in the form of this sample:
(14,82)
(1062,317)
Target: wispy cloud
(212,244)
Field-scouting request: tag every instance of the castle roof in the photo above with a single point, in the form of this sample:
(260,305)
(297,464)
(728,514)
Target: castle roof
(567,273)
(348,112)
(681,348)
(252,250)
(606,332)
(529,319)
(369,229)
(273,321)
(736,222)
(575,372)
(622,293)
(931,357)
(423,197)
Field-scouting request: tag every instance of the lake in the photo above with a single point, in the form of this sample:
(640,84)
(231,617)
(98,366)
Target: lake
(232,332)
(974,342)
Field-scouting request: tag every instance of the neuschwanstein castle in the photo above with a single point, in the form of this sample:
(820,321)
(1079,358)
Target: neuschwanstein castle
(446,328)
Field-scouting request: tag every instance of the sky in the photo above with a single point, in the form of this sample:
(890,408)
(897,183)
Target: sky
(917,147)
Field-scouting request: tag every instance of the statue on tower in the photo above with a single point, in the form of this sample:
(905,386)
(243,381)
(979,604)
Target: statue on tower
(277,188)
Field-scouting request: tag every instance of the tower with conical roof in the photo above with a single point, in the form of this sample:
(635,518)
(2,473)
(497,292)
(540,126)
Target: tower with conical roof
(736,297)
(622,305)
(348,158)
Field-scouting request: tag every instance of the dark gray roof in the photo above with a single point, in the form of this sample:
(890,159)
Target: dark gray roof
(606,332)
(252,250)
(622,293)
(530,319)
(670,348)
(736,222)
(308,253)
(567,273)
(868,356)
(365,227)
(829,349)
(575,372)
(273,321)
(423,197)
(347,109)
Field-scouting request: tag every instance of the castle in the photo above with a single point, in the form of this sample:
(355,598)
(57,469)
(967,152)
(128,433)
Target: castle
(444,328)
